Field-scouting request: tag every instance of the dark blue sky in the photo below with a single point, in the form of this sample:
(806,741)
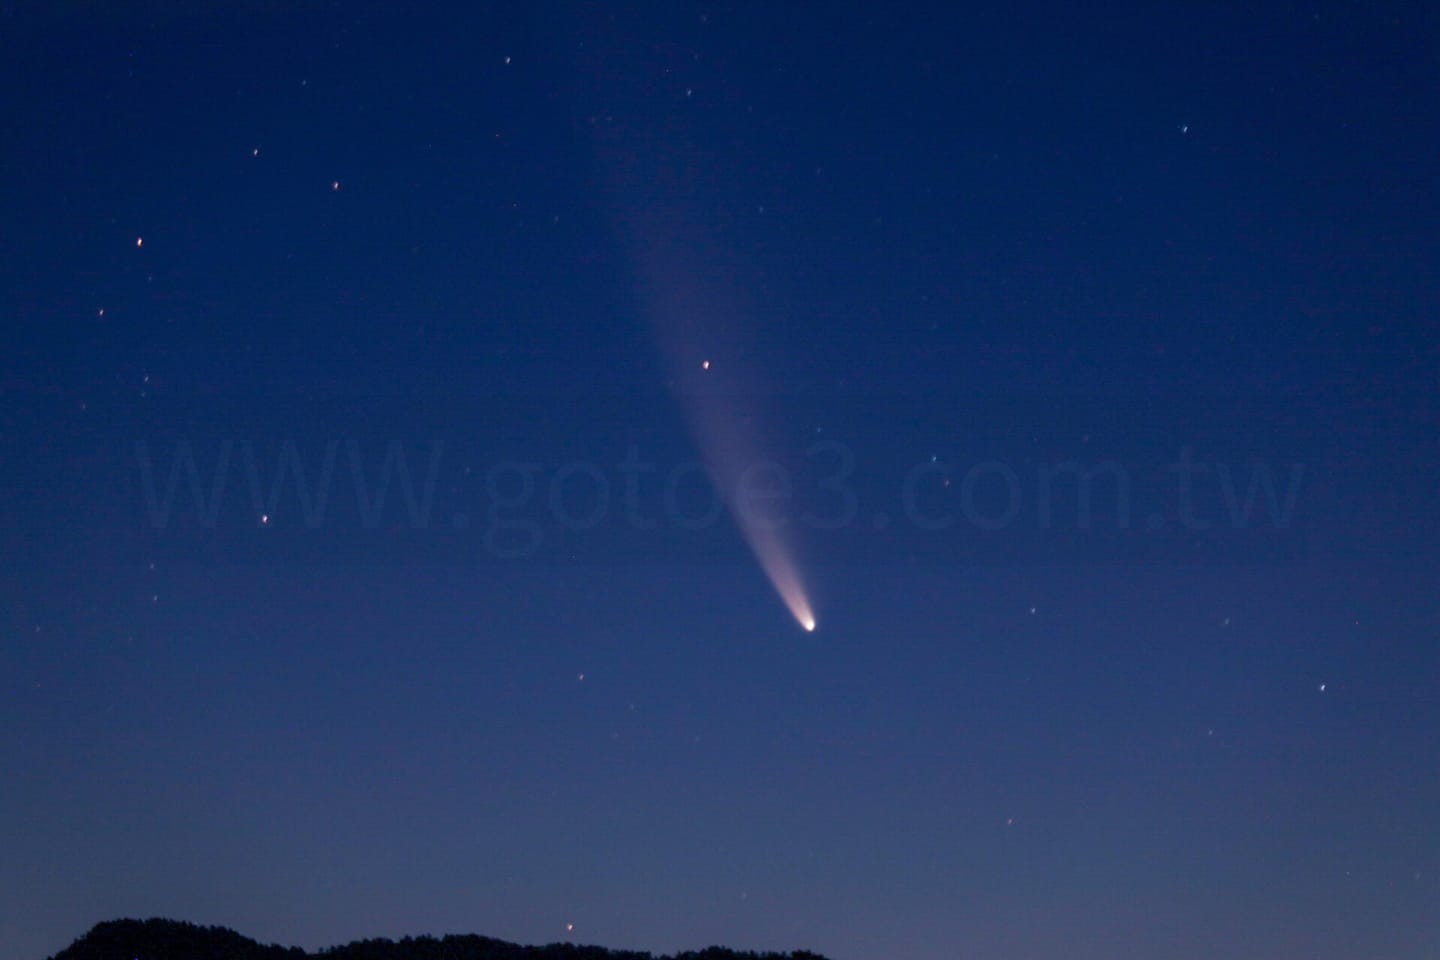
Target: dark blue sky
(1085,358)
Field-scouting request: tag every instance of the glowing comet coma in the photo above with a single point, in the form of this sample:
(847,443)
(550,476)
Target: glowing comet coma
(730,451)
(776,559)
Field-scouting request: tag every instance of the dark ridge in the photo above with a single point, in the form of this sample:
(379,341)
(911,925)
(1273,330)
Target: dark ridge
(176,940)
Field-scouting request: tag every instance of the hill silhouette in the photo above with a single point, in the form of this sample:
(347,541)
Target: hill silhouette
(175,940)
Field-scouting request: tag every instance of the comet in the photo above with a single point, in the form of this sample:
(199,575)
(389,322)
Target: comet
(693,309)
(778,563)
(725,431)
(777,560)
(691,280)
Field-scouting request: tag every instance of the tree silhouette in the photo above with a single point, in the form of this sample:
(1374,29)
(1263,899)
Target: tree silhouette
(175,940)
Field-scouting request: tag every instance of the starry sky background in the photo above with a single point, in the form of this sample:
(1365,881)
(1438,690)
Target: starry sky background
(923,253)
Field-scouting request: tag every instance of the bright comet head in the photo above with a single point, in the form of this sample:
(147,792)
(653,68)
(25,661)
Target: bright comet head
(778,565)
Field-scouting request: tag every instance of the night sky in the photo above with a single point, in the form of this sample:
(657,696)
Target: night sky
(427,434)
